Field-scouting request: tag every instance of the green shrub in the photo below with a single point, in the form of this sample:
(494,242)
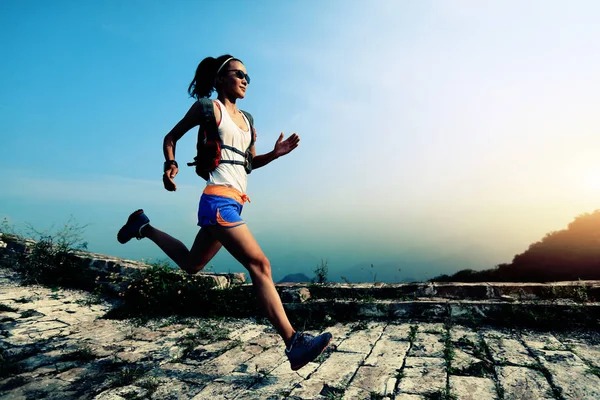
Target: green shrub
(161,290)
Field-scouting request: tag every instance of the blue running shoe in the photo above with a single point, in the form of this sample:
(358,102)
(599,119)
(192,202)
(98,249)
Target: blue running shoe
(136,221)
(305,348)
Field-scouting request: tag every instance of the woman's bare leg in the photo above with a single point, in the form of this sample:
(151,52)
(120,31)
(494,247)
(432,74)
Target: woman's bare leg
(205,247)
(241,244)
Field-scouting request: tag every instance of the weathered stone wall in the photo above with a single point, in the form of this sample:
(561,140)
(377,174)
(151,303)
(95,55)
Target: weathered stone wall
(504,302)
(98,267)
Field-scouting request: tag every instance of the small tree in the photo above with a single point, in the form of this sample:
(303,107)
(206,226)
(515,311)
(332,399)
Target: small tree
(321,272)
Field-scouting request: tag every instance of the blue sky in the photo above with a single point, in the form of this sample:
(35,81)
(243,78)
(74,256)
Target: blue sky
(435,135)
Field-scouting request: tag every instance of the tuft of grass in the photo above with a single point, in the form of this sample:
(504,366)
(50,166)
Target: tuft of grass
(482,350)
(322,357)
(449,351)
(442,394)
(261,374)
(150,383)
(535,366)
(90,300)
(127,375)
(29,313)
(360,326)
(207,332)
(592,369)
(24,300)
(83,353)
(5,308)
(499,390)
(325,355)
(334,392)
(412,335)
(173,320)
(368,299)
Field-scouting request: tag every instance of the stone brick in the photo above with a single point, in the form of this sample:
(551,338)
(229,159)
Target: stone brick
(472,388)
(423,375)
(520,383)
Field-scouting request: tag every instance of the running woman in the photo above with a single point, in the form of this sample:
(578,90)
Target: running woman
(219,211)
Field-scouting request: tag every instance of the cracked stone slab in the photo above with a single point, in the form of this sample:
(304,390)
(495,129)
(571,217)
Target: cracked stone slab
(357,393)
(423,375)
(507,349)
(472,388)
(378,374)
(375,380)
(362,341)
(285,381)
(228,387)
(458,332)
(465,364)
(47,384)
(520,383)
(125,392)
(390,349)
(427,345)
(230,360)
(435,328)
(589,354)
(38,327)
(337,370)
(571,375)
(542,341)
(173,389)
(396,330)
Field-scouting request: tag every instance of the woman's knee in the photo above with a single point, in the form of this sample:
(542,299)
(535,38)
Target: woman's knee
(193,266)
(260,266)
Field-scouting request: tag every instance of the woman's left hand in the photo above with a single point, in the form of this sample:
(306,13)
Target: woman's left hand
(282,147)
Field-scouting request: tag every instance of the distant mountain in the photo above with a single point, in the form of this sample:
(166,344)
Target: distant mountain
(295,278)
(409,269)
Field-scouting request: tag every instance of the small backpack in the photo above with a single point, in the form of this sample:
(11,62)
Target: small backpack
(209,143)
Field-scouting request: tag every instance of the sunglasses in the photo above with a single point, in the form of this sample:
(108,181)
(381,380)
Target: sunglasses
(240,74)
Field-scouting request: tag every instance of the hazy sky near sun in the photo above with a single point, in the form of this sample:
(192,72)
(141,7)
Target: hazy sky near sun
(435,135)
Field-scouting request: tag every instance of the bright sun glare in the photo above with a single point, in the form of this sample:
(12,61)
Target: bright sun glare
(591,182)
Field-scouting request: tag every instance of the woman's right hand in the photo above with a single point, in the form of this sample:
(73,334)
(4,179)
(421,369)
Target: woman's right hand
(168,178)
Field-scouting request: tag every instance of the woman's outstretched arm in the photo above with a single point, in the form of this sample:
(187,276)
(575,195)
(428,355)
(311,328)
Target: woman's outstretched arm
(282,147)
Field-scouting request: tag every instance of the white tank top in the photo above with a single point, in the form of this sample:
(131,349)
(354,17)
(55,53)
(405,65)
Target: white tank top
(231,175)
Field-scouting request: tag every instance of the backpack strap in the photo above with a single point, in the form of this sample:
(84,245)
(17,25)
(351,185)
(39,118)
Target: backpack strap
(252,131)
(224,146)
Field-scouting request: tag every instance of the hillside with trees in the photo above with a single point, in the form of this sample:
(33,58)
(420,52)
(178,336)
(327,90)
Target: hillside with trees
(568,254)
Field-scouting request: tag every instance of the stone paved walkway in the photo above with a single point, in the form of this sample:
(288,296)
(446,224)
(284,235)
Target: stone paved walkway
(55,345)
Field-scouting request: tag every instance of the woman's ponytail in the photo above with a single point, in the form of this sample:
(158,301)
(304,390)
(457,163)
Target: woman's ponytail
(206,74)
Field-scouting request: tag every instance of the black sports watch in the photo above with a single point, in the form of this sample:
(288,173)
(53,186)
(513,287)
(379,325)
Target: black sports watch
(168,163)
